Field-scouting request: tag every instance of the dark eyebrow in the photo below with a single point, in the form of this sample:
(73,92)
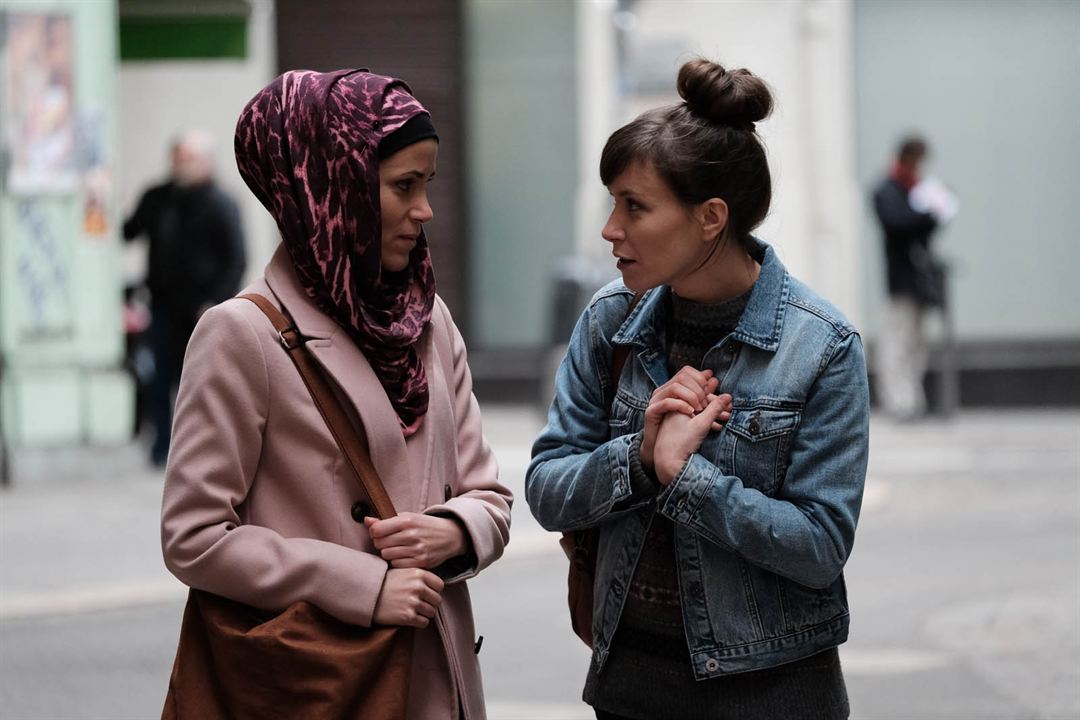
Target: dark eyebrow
(414,174)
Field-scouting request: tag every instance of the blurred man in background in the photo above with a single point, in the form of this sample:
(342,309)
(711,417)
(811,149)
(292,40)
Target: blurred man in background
(196,259)
(911,282)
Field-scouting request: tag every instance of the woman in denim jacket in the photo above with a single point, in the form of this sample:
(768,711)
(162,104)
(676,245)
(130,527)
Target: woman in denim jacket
(725,471)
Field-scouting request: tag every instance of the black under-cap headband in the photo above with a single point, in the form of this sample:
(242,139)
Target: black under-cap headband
(418,127)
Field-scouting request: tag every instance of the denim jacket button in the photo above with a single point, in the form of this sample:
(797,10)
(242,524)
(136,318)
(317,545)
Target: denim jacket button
(712,665)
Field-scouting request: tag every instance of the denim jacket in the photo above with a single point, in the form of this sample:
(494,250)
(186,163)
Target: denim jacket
(764,512)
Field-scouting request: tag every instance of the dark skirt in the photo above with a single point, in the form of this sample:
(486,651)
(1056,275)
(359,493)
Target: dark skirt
(632,687)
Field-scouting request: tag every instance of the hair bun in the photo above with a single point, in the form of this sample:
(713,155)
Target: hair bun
(737,98)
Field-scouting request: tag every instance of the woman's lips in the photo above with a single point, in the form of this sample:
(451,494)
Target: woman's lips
(623,263)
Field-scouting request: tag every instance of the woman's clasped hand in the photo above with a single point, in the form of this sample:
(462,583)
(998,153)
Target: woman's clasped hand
(682,411)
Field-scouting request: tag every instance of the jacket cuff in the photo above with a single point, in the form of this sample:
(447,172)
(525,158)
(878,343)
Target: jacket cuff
(354,602)
(682,497)
(640,486)
(485,546)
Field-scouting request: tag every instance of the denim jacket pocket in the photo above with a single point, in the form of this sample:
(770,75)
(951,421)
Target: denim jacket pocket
(758,444)
(802,607)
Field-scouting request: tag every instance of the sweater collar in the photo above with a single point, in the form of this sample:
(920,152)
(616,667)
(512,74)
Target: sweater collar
(760,324)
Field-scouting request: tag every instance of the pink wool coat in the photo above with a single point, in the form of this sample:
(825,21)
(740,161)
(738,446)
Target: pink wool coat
(258,502)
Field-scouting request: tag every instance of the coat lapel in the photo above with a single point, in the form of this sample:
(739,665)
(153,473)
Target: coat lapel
(437,424)
(346,365)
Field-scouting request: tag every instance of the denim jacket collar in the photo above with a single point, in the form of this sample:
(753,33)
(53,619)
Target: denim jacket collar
(761,322)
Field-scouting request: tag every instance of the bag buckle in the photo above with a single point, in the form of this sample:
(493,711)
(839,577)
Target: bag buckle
(290,337)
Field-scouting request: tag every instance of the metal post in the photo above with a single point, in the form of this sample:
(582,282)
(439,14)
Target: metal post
(948,377)
(5,453)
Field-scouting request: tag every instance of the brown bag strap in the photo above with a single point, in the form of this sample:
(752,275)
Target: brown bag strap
(353,444)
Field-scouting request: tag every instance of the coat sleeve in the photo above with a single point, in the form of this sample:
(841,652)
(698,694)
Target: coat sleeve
(896,214)
(218,432)
(481,503)
(139,221)
(806,532)
(229,246)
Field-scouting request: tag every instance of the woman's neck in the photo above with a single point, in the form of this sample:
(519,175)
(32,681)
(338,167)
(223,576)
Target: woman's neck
(726,275)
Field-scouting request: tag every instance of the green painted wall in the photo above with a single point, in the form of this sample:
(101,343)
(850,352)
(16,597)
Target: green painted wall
(60,294)
(522,152)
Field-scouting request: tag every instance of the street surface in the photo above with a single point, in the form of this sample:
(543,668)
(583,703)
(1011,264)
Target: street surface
(964,584)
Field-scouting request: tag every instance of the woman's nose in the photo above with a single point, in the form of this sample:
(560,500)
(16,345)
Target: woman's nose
(611,231)
(422,211)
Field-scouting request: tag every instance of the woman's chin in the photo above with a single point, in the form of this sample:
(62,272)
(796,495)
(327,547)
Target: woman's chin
(395,264)
(633,281)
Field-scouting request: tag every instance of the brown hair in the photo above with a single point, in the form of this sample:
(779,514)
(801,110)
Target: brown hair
(912,149)
(705,146)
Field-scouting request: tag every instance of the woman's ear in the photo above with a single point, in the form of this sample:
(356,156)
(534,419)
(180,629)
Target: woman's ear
(713,215)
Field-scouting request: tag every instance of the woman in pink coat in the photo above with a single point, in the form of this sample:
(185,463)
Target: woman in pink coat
(260,506)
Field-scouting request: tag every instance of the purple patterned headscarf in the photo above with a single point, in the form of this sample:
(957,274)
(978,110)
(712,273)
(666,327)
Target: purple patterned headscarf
(307,146)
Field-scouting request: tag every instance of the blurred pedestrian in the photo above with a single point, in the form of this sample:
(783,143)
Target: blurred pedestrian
(260,507)
(138,355)
(915,283)
(196,259)
(724,472)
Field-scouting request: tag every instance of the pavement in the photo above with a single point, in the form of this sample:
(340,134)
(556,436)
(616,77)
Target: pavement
(964,584)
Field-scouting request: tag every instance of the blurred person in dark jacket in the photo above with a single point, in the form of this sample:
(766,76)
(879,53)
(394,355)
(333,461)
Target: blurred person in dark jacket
(902,357)
(196,260)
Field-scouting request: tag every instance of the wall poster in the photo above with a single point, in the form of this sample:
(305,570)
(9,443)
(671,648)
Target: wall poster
(37,115)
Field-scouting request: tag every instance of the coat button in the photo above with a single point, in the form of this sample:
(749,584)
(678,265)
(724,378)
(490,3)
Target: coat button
(712,665)
(755,426)
(360,510)
(447,493)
